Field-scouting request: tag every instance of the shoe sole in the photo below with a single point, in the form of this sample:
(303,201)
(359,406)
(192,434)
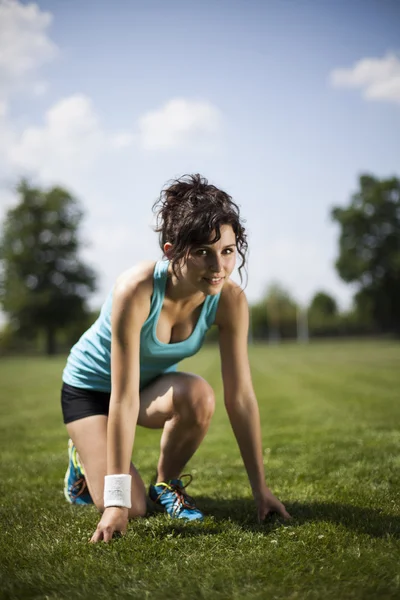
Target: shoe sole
(153,506)
(66,494)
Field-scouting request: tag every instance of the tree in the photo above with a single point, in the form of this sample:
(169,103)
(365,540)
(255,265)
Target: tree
(43,284)
(259,326)
(369,248)
(281,312)
(323,316)
(323,304)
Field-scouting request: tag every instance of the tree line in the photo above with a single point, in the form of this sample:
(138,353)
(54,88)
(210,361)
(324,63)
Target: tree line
(45,286)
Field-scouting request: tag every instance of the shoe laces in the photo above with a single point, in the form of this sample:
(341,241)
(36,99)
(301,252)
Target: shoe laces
(78,488)
(183,500)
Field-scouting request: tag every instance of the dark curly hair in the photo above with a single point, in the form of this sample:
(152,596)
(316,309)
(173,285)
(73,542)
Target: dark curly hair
(189,210)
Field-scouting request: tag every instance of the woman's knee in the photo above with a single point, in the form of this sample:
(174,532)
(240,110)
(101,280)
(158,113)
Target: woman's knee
(196,401)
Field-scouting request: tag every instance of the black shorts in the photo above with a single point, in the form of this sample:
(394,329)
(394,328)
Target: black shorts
(78,403)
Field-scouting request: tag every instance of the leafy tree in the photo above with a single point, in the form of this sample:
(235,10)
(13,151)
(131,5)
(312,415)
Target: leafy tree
(323,316)
(369,250)
(281,312)
(259,326)
(323,304)
(43,284)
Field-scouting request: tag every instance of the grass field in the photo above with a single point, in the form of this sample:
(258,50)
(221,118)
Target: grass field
(331,437)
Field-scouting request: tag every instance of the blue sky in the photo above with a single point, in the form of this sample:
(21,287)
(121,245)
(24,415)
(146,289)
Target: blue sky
(281,103)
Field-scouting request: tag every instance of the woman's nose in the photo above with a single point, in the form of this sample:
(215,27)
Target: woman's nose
(216,264)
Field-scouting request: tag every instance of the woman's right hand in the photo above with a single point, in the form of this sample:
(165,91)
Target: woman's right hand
(114,520)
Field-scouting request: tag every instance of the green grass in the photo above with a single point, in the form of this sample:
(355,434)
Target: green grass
(330,416)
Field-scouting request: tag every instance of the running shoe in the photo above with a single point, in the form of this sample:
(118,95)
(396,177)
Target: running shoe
(172,498)
(75,486)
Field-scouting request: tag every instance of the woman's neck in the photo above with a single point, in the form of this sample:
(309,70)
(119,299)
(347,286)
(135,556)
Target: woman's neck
(181,291)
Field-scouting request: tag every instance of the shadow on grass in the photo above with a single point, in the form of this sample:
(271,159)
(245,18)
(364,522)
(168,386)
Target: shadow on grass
(242,512)
(165,527)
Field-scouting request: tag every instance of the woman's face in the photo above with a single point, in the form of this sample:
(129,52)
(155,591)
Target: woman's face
(208,267)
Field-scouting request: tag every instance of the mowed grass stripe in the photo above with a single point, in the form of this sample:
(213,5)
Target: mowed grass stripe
(331,442)
(335,386)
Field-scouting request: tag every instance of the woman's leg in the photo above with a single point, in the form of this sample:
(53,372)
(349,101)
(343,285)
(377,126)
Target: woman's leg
(182,404)
(89,436)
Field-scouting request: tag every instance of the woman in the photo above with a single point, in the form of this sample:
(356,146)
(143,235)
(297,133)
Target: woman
(122,372)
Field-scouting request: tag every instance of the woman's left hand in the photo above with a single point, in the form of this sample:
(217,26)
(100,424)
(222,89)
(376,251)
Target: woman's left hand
(267,503)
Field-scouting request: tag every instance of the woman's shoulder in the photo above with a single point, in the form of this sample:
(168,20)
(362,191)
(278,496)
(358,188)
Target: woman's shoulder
(231,303)
(136,281)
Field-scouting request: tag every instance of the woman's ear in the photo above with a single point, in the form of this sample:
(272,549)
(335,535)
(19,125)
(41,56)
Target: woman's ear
(167,249)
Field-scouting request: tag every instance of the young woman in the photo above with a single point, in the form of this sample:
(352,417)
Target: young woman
(123,371)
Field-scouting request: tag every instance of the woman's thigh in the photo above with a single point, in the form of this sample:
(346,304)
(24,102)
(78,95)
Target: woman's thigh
(159,401)
(169,394)
(89,436)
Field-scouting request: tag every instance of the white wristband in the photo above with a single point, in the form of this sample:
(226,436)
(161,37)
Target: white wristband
(117,490)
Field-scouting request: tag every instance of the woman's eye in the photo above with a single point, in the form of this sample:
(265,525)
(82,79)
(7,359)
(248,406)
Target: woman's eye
(204,251)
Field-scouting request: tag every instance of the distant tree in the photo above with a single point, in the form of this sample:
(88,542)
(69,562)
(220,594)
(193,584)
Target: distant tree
(259,325)
(43,284)
(323,316)
(281,311)
(323,304)
(369,248)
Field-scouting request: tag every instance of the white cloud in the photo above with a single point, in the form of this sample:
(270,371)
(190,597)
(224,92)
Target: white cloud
(8,198)
(70,141)
(178,124)
(24,44)
(71,135)
(379,78)
(122,140)
(6,133)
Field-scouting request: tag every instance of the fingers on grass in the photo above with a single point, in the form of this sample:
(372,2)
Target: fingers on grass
(108,533)
(96,537)
(262,516)
(118,534)
(101,535)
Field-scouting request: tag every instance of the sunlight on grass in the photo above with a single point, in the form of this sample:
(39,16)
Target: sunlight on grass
(330,415)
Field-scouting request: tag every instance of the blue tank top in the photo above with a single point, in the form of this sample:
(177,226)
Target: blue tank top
(89,362)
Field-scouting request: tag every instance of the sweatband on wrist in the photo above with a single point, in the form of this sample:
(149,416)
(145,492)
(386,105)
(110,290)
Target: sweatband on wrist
(117,490)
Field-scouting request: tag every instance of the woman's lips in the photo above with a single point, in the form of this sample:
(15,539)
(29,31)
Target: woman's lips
(214,280)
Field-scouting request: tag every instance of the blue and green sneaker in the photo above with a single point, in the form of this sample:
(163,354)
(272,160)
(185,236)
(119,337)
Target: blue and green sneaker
(171,497)
(75,486)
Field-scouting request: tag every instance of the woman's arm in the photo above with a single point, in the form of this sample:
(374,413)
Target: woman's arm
(129,312)
(240,400)
(131,304)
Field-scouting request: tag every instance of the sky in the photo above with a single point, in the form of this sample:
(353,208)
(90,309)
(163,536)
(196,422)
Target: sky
(281,103)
